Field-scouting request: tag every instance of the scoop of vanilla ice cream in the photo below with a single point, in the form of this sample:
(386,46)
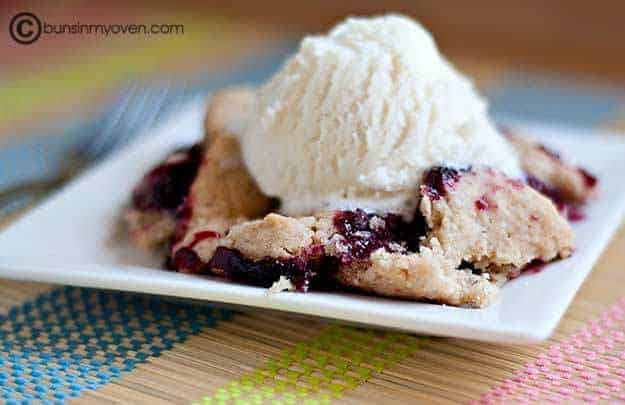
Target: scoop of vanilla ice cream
(356,116)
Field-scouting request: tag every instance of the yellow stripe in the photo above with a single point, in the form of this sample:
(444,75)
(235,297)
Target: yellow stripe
(120,60)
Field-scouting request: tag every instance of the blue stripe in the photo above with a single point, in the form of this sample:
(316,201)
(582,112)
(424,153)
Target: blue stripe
(75,339)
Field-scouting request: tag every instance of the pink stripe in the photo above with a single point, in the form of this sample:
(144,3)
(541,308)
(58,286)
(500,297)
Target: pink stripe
(588,365)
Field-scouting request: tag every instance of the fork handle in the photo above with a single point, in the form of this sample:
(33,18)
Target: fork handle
(17,197)
(33,186)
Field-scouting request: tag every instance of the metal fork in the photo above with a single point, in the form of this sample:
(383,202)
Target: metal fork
(138,107)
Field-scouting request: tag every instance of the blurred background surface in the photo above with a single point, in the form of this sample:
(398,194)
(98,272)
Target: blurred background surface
(549,61)
(67,74)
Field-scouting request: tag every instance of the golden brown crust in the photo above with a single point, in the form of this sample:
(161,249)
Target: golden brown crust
(223,187)
(223,193)
(496,223)
(427,275)
(272,236)
(227,112)
(550,169)
(149,228)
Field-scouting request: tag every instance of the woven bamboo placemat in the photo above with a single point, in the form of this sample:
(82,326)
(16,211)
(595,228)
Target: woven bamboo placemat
(61,341)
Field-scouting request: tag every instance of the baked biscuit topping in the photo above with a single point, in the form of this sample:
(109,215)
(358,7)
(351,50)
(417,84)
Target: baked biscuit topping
(473,228)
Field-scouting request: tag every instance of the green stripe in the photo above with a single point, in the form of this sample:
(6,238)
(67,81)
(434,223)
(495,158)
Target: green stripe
(336,361)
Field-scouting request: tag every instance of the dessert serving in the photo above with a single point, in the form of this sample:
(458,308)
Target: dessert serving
(368,162)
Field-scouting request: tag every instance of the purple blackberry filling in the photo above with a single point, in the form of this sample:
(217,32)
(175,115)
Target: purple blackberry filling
(360,234)
(589,180)
(263,273)
(465,265)
(550,152)
(438,180)
(186,258)
(573,212)
(485,203)
(533,267)
(363,233)
(166,185)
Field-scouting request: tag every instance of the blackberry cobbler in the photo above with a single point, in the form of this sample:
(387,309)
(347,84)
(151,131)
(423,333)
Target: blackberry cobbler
(473,227)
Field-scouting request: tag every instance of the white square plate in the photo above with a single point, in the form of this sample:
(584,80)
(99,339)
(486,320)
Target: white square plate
(73,238)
